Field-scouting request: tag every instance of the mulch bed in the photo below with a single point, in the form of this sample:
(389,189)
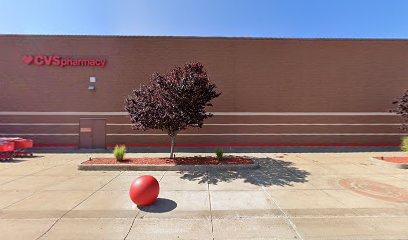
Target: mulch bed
(175,161)
(403,160)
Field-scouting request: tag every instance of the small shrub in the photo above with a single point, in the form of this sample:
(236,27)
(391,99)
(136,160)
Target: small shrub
(119,152)
(220,153)
(404,143)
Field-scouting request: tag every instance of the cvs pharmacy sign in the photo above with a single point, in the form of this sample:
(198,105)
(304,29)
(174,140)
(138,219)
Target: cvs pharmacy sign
(60,61)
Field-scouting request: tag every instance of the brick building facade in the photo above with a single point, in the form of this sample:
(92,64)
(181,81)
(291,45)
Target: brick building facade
(274,91)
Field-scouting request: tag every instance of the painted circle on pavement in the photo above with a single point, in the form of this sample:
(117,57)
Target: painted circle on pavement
(375,189)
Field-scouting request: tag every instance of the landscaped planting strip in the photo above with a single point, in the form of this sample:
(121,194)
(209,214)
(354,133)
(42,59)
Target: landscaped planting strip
(133,167)
(379,161)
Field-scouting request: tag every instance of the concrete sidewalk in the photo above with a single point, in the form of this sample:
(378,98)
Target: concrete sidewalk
(292,196)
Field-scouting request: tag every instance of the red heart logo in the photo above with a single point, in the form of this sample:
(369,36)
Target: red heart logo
(27,59)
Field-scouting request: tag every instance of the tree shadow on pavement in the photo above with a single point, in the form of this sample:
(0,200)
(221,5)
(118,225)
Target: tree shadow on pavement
(271,172)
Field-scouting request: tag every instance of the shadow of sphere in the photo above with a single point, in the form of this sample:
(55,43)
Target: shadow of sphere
(161,205)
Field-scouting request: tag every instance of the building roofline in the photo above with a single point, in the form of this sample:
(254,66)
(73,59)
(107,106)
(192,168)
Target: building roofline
(197,37)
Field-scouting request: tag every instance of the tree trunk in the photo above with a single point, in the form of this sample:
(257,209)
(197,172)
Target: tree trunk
(173,141)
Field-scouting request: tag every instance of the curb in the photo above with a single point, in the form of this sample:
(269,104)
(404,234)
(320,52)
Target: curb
(133,167)
(388,164)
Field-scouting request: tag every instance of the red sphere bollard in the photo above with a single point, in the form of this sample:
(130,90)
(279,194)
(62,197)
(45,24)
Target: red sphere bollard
(144,190)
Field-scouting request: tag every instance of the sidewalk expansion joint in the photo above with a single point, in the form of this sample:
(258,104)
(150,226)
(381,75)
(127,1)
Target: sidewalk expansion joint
(209,200)
(31,174)
(35,192)
(56,221)
(138,212)
(286,216)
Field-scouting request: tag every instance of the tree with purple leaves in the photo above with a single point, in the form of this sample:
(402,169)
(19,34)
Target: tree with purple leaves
(172,102)
(401,108)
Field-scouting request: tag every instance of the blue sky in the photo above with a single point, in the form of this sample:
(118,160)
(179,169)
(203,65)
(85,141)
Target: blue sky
(232,18)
